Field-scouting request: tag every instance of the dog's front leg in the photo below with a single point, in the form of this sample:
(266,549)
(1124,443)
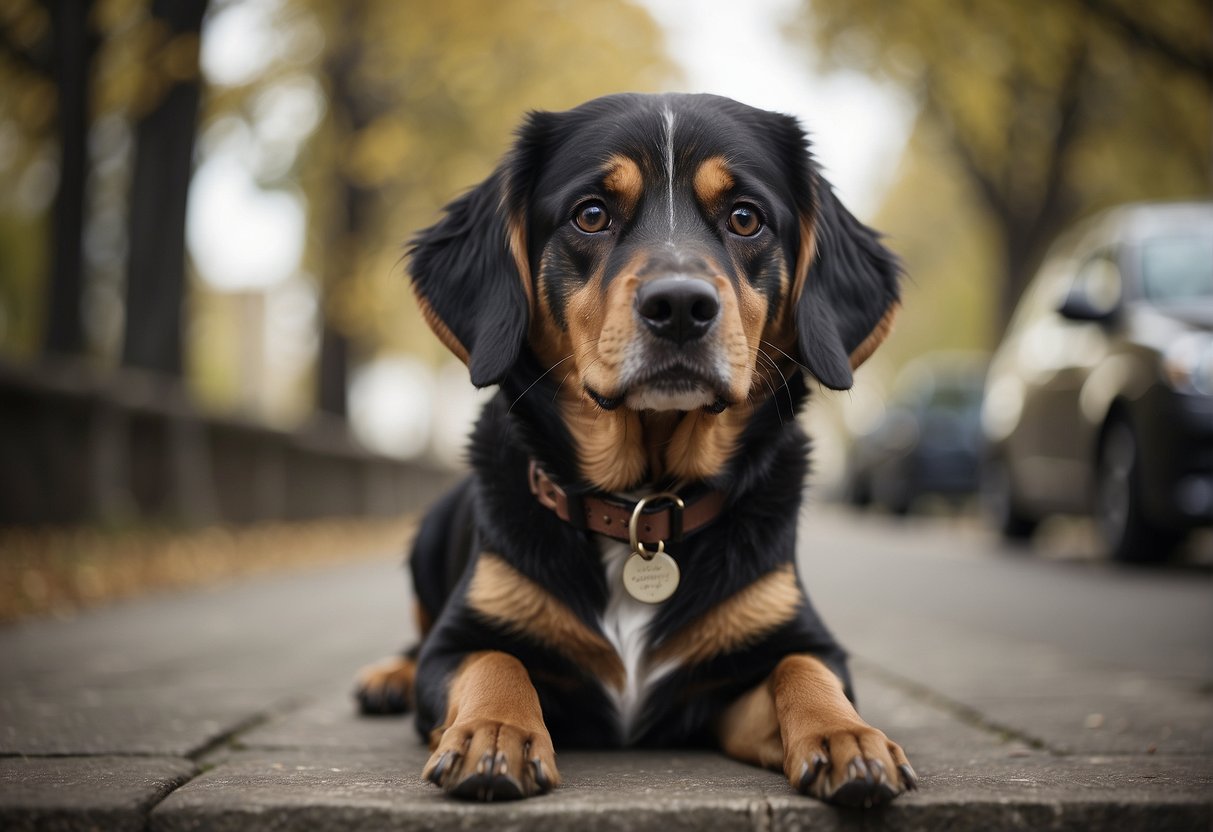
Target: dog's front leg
(493,744)
(800,720)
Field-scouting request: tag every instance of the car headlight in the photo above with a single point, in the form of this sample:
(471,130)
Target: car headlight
(1187,364)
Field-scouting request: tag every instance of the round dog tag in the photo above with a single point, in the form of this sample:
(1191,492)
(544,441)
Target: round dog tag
(652,580)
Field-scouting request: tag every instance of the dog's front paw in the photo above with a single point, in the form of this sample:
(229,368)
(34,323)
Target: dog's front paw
(386,687)
(490,760)
(855,765)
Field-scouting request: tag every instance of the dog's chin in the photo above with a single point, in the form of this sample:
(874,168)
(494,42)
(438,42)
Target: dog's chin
(664,397)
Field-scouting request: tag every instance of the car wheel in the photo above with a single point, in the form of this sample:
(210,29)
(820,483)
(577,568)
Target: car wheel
(1128,534)
(859,493)
(1000,505)
(901,496)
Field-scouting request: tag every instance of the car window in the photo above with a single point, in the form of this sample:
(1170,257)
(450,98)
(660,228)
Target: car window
(1177,268)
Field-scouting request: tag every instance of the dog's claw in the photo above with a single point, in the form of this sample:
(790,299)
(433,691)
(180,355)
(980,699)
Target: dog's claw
(440,768)
(857,770)
(541,777)
(809,771)
(877,771)
(908,776)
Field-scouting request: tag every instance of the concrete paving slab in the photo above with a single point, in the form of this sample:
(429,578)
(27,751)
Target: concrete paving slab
(322,789)
(1038,692)
(1037,792)
(332,722)
(85,793)
(337,789)
(87,721)
(1108,723)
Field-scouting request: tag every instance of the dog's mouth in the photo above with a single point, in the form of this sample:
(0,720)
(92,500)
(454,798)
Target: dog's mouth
(676,387)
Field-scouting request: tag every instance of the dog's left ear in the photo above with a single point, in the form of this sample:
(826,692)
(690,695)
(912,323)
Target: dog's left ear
(471,272)
(846,290)
(850,294)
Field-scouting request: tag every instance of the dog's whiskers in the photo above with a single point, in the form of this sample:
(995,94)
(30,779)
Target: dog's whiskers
(536,381)
(764,366)
(785,355)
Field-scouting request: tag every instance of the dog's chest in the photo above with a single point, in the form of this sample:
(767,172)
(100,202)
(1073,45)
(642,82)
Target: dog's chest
(626,624)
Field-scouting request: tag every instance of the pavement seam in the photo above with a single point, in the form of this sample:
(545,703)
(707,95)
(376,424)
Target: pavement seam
(764,815)
(957,709)
(227,739)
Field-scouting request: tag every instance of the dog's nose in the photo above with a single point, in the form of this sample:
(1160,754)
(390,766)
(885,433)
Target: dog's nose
(677,307)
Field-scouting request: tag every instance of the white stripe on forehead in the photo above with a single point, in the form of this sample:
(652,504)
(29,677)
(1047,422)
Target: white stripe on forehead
(669,163)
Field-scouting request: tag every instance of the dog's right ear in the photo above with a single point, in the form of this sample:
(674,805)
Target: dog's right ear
(471,272)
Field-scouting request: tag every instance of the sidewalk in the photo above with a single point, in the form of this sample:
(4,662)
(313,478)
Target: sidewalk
(229,709)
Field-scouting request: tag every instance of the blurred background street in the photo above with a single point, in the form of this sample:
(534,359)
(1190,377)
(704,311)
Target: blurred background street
(221,410)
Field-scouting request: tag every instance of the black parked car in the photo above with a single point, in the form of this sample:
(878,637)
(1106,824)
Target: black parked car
(1100,398)
(928,440)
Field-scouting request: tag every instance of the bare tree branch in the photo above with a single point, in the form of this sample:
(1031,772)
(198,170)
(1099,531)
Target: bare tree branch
(987,184)
(1196,61)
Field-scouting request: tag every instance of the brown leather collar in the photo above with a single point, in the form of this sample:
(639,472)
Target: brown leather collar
(609,515)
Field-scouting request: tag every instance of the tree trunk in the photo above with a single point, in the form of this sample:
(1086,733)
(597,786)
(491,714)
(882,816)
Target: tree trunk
(350,111)
(74,45)
(332,372)
(164,147)
(1020,262)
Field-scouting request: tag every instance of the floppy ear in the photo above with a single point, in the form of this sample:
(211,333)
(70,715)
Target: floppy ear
(471,272)
(849,295)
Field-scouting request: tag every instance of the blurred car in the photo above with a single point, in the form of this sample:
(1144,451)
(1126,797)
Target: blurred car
(1100,397)
(928,440)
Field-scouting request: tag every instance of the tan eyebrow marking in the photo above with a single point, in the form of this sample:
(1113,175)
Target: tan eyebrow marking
(624,180)
(712,181)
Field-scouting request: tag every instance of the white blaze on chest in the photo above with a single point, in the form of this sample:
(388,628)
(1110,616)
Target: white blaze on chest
(625,623)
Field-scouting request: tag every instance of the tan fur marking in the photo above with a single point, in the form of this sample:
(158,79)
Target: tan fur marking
(712,181)
(494,685)
(760,608)
(703,442)
(806,690)
(393,675)
(804,259)
(508,598)
(881,331)
(439,328)
(423,617)
(610,445)
(516,233)
(749,729)
(548,341)
(625,181)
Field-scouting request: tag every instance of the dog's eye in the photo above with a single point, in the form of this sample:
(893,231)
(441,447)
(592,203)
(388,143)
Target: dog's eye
(592,217)
(745,221)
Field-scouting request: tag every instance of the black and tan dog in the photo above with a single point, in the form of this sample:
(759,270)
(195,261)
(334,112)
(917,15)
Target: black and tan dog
(646,278)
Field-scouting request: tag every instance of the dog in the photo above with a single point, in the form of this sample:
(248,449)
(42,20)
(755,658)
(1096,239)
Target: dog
(648,280)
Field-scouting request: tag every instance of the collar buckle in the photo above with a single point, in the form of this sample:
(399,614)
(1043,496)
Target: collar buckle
(676,508)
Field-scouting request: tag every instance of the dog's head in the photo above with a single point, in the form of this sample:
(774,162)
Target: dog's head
(671,252)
